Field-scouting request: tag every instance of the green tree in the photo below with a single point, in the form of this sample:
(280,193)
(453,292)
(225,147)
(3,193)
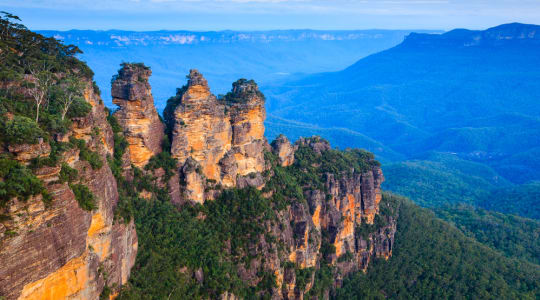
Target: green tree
(41,82)
(21,130)
(72,90)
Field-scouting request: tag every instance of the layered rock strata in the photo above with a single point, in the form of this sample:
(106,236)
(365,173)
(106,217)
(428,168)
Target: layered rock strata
(335,215)
(136,114)
(216,141)
(61,251)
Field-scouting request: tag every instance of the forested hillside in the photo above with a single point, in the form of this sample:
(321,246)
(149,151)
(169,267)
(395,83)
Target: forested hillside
(471,93)
(513,236)
(434,260)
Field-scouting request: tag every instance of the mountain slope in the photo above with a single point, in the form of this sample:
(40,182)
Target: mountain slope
(511,235)
(434,260)
(523,200)
(439,179)
(469,92)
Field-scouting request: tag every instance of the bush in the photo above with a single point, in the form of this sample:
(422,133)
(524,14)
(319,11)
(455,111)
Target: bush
(21,130)
(86,154)
(84,196)
(162,160)
(79,109)
(97,91)
(18,181)
(68,174)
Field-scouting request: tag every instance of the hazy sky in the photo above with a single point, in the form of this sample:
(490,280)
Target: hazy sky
(271,14)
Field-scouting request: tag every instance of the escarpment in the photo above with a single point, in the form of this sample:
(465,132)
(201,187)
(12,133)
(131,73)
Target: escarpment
(326,202)
(136,114)
(220,213)
(279,220)
(336,223)
(51,245)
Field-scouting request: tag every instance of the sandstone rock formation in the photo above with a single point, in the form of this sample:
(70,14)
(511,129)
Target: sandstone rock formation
(61,251)
(284,150)
(223,137)
(335,226)
(349,205)
(136,114)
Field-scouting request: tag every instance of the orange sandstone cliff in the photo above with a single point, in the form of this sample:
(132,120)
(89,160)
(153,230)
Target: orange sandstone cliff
(61,251)
(217,141)
(220,142)
(136,114)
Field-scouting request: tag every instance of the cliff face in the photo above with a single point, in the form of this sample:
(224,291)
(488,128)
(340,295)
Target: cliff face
(136,114)
(339,216)
(282,216)
(60,250)
(216,141)
(219,143)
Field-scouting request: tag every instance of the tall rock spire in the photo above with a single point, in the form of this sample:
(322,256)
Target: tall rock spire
(137,114)
(221,139)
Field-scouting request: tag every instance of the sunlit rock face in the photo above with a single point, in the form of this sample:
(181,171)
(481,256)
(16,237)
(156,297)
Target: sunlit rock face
(284,150)
(332,214)
(224,137)
(136,114)
(61,251)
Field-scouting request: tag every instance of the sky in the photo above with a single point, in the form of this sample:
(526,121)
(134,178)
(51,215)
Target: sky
(204,15)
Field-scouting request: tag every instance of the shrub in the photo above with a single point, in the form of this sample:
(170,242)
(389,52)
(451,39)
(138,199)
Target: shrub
(84,196)
(86,154)
(162,160)
(97,91)
(79,108)
(21,130)
(18,181)
(68,174)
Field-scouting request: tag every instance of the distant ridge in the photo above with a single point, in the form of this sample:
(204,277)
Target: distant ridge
(184,37)
(224,56)
(467,92)
(497,35)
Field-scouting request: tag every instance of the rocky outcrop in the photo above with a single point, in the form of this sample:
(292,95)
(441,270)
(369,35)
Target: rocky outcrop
(220,140)
(26,152)
(136,114)
(284,150)
(60,251)
(340,216)
(220,143)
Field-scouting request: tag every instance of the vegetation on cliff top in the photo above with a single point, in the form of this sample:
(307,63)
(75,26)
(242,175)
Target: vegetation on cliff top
(40,79)
(41,92)
(242,91)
